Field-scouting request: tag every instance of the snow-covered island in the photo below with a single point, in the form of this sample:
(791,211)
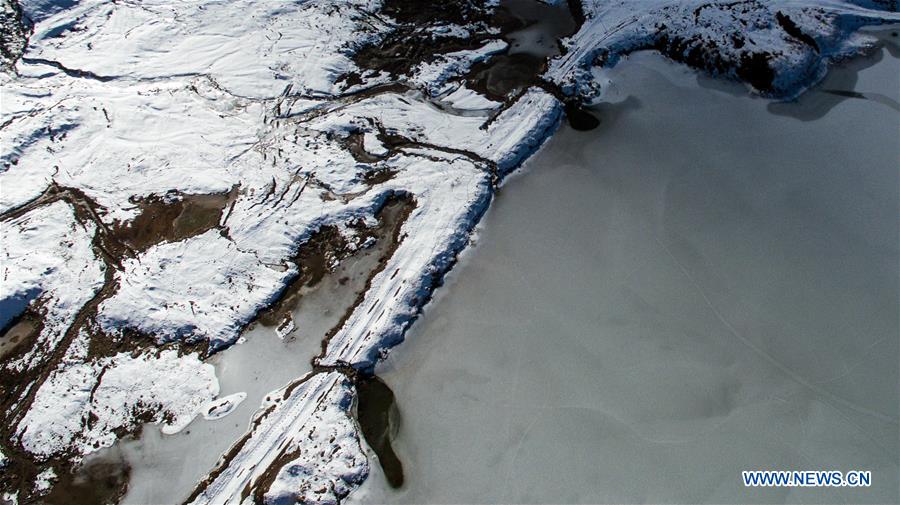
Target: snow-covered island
(165,165)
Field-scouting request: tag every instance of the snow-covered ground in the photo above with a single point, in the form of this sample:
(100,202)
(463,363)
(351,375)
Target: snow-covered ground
(779,47)
(113,103)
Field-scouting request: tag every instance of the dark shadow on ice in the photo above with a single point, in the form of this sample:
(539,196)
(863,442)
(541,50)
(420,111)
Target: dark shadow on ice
(875,97)
(379,419)
(579,118)
(609,113)
(841,84)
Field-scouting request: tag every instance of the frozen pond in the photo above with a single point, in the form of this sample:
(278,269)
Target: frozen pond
(705,284)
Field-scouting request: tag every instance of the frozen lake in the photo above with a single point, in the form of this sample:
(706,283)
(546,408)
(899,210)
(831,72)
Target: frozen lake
(705,284)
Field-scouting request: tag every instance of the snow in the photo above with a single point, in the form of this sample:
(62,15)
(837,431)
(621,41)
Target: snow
(463,98)
(47,255)
(70,414)
(221,407)
(44,480)
(305,421)
(254,49)
(175,290)
(726,31)
(372,145)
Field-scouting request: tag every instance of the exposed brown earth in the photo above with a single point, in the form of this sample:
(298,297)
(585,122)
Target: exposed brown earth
(172,218)
(159,221)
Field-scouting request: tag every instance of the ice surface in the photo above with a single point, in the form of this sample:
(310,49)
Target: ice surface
(696,288)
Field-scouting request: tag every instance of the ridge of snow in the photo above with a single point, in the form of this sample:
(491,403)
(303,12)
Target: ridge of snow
(308,422)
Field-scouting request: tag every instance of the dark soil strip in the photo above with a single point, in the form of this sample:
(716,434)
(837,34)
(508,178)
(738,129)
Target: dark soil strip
(71,72)
(789,26)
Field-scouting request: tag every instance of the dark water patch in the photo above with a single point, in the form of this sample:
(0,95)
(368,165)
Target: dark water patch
(172,218)
(379,420)
(100,480)
(613,112)
(506,75)
(533,31)
(579,118)
(534,27)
